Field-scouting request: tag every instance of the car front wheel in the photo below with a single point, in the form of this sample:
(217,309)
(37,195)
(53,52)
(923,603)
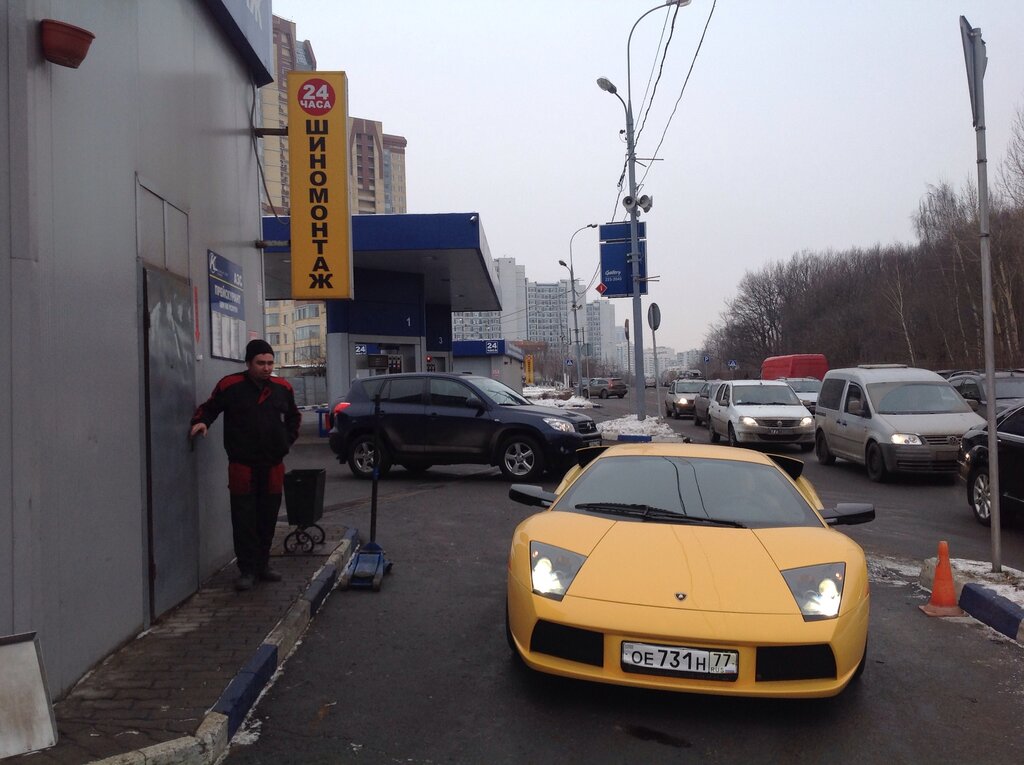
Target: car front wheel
(733,441)
(521,459)
(979,496)
(604,394)
(362,457)
(875,463)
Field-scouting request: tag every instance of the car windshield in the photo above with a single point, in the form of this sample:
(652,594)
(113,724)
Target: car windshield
(1010,387)
(687,387)
(805,386)
(916,398)
(500,393)
(764,395)
(652,488)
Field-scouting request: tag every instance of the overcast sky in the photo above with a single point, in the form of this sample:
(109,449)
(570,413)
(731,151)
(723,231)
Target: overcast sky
(806,124)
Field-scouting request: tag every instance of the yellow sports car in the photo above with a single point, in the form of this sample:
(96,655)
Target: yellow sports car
(692,568)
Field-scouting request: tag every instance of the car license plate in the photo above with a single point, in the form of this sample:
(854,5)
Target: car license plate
(774,431)
(679,660)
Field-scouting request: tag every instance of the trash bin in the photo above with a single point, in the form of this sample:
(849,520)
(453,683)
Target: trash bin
(304,496)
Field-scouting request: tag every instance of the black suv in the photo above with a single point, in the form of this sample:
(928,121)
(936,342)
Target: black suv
(432,418)
(971,385)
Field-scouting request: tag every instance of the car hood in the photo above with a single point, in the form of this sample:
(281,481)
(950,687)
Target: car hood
(719,569)
(933,424)
(550,411)
(788,411)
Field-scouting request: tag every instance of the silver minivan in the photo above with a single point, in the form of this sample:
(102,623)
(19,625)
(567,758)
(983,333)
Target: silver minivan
(891,418)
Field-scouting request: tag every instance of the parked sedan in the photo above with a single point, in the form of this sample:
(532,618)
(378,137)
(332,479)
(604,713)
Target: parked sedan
(974,463)
(444,419)
(744,589)
(681,397)
(760,412)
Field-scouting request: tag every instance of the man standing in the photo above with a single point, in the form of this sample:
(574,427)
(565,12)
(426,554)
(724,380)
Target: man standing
(261,422)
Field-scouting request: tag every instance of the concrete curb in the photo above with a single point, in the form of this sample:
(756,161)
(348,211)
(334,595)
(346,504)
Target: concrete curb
(213,735)
(980,602)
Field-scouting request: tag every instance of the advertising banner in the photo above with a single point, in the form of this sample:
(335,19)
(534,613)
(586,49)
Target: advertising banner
(321,218)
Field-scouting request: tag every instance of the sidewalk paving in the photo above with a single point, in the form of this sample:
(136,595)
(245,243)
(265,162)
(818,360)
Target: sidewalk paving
(178,692)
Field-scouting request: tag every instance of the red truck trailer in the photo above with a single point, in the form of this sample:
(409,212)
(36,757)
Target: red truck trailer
(794,365)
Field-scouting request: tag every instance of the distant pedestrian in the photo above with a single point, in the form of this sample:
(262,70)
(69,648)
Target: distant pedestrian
(261,422)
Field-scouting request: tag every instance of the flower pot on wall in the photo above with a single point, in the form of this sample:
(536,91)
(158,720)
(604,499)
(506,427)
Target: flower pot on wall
(63,43)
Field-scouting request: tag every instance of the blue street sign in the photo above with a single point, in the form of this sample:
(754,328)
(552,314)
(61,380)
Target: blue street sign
(617,271)
(619,232)
(732,363)
(707,359)
(568,362)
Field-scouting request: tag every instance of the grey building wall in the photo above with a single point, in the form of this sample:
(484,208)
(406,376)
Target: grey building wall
(154,126)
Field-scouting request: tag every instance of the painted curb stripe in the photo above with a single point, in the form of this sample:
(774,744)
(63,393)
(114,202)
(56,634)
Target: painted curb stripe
(999,613)
(245,687)
(321,587)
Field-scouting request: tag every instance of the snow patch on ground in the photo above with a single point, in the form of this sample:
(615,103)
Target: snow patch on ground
(249,733)
(893,570)
(1009,583)
(630,425)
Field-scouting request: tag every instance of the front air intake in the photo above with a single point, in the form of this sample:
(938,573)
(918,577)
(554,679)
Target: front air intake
(796,662)
(572,643)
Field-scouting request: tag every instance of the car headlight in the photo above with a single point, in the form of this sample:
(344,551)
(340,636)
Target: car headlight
(748,421)
(552,569)
(557,424)
(905,439)
(682,400)
(818,590)
(806,421)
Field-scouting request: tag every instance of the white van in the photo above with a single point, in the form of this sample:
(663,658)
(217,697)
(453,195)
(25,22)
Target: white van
(891,418)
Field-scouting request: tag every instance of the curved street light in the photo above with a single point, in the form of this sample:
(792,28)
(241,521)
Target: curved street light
(634,212)
(575,307)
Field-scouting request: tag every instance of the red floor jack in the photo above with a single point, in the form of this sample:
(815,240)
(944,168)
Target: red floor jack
(370,563)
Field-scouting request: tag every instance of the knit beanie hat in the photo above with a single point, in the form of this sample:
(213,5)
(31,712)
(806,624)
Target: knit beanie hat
(256,348)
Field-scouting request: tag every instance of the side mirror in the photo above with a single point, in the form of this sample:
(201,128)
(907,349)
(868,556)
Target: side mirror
(474,402)
(849,514)
(973,403)
(533,496)
(856,407)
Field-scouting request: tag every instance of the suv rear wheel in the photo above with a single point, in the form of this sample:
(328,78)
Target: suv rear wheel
(362,456)
(520,459)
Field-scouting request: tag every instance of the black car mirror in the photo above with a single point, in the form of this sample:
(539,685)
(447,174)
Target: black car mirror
(849,514)
(534,496)
(474,402)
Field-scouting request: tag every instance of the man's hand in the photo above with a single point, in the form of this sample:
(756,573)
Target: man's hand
(199,429)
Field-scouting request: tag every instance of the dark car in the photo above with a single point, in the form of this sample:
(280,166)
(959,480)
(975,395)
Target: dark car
(603,387)
(974,463)
(703,400)
(971,385)
(444,419)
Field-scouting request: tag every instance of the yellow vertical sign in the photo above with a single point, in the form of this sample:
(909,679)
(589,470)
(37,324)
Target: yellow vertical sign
(321,220)
(528,369)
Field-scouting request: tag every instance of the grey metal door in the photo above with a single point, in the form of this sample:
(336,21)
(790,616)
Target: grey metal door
(172,506)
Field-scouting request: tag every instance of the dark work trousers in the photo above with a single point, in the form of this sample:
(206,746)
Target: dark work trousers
(255,502)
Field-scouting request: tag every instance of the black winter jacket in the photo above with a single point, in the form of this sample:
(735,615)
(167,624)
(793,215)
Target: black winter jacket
(260,422)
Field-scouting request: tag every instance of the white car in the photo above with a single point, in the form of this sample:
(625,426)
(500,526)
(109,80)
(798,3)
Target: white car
(759,412)
(806,389)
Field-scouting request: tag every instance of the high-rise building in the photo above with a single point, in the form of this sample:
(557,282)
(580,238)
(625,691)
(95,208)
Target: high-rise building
(297,329)
(510,323)
(600,336)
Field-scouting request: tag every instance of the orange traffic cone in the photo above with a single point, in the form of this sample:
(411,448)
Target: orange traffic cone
(943,601)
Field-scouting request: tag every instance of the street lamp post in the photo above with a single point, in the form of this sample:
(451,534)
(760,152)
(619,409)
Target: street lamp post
(575,307)
(634,213)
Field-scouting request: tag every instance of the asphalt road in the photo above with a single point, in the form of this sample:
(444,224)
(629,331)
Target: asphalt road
(421,673)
